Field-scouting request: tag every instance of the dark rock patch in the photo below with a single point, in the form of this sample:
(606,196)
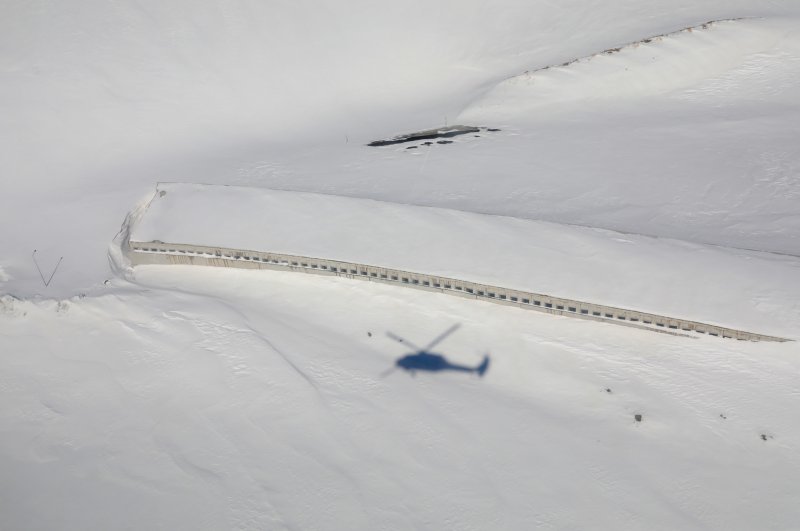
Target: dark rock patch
(431,134)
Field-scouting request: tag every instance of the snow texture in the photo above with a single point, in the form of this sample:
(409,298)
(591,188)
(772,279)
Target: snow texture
(747,289)
(664,175)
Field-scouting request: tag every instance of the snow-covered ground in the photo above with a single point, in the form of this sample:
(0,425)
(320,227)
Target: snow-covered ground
(235,399)
(198,398)
(717,285)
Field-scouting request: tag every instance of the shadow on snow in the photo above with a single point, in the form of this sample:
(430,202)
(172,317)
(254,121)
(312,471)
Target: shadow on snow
(425,360)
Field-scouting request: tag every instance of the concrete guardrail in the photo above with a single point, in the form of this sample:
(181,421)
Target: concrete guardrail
(171,253)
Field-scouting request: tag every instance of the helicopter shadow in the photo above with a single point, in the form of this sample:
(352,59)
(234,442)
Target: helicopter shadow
(425,360)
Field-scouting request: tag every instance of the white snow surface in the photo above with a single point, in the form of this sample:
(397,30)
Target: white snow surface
(691,281)
(207,398)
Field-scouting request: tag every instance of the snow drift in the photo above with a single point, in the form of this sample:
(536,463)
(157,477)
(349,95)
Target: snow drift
(661,276)
(651,66)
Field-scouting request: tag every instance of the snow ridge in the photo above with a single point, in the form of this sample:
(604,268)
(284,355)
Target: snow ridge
(647,40)
(653,65)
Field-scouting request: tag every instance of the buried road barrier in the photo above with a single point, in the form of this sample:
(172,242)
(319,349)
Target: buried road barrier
(142,253)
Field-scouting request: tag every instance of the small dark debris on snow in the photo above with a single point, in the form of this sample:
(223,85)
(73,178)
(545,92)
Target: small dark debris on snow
(637,417)
(369,334)
(493,130)
(444,141)
(722,416)
(764,437)
(608,389)
(411,147)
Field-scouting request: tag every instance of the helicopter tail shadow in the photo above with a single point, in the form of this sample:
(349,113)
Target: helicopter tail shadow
(483,367)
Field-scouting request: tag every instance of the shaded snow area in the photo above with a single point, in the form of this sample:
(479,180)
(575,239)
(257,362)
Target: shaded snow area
(637,157)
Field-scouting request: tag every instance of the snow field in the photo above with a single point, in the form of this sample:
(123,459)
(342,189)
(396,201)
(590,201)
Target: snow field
(653,66)
(255,352)
(120,95)
(207,399)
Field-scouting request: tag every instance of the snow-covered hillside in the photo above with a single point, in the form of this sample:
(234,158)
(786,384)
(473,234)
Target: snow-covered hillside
(198,398)
(229,399)
(741,289)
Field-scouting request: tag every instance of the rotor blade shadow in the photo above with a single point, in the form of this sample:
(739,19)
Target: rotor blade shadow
(442,337)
